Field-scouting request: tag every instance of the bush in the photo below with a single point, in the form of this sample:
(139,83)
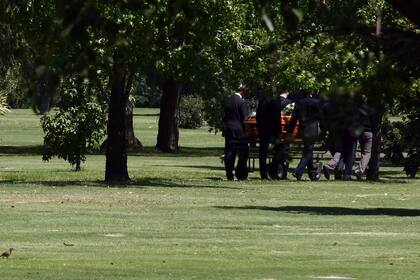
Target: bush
(147,94)
(3,105)
(191,112)
(13,88)
(400,138)
(393,141)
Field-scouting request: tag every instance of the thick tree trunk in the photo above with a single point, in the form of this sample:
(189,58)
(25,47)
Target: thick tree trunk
(374,163)
(42,98)
(168,134)
(131,140)
(116,154)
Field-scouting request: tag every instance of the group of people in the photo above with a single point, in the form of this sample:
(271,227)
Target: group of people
(341,124)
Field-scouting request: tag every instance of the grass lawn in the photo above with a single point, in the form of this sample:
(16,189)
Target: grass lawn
(179,218)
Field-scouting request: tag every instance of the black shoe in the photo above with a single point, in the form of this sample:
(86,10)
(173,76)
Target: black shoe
(297,176)
(229,177)
(314,176)
(327,171)
(347,178)
(359,175)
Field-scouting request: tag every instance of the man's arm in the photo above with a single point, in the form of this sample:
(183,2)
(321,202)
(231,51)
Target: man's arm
(244,111)
(295,117)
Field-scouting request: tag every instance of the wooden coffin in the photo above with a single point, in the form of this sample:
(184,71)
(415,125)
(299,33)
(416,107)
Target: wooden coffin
(252,131)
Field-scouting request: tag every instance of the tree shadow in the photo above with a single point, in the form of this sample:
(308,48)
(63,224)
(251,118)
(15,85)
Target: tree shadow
(405,178)
(136,183)
(146,151)
(22,150)
(183,152)
(205,167)
(332,211)
(146,114)
(391,172)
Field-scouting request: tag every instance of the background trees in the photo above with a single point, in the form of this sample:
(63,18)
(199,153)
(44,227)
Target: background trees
(208,48)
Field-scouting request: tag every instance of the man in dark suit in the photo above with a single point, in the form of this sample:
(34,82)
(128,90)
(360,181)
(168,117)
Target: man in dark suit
(236,112)
(268,117)
(344,128)
(308,112)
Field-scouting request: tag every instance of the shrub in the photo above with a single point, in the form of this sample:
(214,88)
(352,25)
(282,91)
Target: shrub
(191,112)
(400,138)
(3,105)
(393,141)
(412,136)
(13,88)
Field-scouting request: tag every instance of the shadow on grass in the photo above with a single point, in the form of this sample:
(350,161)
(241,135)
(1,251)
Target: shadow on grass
(205,167)
(183,152)
(146,151)
(137,183)
(22,150)
(146,114)
(333,211)
(406,178)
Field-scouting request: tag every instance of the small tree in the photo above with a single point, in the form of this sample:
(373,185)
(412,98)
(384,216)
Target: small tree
(70,134)
(77,128)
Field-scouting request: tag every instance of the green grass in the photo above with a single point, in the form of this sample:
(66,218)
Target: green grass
(179,218)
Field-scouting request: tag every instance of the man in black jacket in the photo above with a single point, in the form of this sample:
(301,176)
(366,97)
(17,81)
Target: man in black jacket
(308,112)
(268,118)
(236,112)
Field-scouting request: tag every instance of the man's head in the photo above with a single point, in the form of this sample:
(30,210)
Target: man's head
(284,92)
(241,89)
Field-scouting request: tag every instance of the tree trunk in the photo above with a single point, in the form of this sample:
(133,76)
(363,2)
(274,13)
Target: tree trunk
(42,98)
(131,140)
(116,153)
(78,163)
(373,170)
(168,134)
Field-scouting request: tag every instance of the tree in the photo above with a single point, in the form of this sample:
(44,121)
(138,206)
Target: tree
(85,38)
(384,45)
(79,125)
(168,134)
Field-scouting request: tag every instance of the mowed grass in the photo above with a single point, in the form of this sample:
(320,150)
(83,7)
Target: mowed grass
(179,218)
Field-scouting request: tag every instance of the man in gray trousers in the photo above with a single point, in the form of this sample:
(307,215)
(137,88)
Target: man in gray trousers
(366,114)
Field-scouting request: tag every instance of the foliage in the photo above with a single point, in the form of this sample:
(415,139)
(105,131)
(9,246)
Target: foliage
(412,119)
(77,128)
(147,94)
(191,112)
(214,45)
(3,104)
(394,141)
(402,137)
(14,88)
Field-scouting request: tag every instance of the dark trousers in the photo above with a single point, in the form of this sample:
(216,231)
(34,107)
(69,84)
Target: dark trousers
(262,155)
(349,153)
(233,148)
(307,158)
(279,157)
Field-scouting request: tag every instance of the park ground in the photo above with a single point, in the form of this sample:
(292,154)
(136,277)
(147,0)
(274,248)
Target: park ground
(180,219)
